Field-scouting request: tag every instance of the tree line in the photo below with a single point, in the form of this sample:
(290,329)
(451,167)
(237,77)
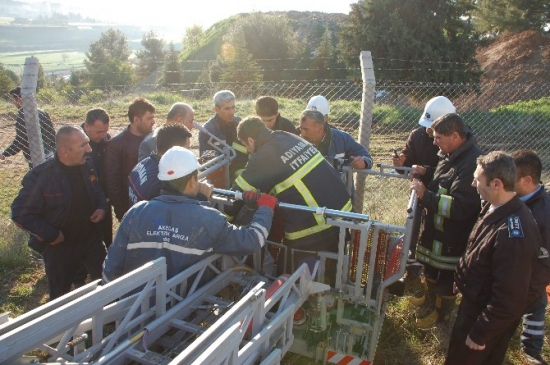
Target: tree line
(413,40)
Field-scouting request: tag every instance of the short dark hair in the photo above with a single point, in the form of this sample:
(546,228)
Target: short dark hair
(314,115)
(499,165)
(527,163)
(97,114)
(250,127)
(16,91)
(266,106)
(449,123)
(139,107)
(169,136)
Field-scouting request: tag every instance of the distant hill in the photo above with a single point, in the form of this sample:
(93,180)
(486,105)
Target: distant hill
(309,26)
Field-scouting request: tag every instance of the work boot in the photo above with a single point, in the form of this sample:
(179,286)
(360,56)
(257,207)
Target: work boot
(533,359)
(428,297)
(444,306)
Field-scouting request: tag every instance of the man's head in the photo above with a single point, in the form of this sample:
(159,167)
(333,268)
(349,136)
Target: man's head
(181,113)
(319,103)
(96,124)
(434,109)
(312,126)
(224,105)
(494,177)
(528,171)
(72,145)
(15,96)
(169,136)
(248,131)
(142,116)
(450,132)
(267,109)
(178,168)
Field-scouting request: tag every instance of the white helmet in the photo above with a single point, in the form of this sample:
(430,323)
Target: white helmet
(177,162)
(434,109)
(319,103)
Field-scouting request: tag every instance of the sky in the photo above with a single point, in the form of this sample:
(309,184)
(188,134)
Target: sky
(183,14)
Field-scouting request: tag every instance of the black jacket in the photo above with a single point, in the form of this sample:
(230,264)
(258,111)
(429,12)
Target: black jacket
(294,171)
(539,204)
(21,140)
(43,203)
(495,271)
(451,207)
(420,150)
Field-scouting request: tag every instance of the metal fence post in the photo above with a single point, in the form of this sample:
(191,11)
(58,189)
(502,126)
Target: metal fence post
(30,110)
(367,110)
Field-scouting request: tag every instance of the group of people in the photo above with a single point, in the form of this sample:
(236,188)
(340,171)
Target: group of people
(484,229)
(484,232)
(66,202)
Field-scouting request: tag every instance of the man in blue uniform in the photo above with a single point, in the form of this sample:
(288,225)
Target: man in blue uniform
(179,227)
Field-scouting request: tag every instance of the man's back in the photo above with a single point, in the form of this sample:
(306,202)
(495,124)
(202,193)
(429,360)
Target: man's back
(182,229)
(292,169)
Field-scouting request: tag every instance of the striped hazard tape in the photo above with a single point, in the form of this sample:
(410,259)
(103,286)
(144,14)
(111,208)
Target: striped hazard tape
(341,359)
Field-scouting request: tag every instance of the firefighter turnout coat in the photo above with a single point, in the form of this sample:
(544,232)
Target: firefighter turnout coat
(288,167)
(451,206)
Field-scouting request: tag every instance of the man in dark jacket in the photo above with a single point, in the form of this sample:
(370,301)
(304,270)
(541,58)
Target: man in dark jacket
(21,140)
(267,109)
(332,142)
(295,172)
(450,206)
(420,153)
(143,181)
(60,204)
(223,125)
(121,153)
(96,127)
(178,226)
(495,275)
(531,191)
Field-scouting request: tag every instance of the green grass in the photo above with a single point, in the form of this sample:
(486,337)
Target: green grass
(51,60)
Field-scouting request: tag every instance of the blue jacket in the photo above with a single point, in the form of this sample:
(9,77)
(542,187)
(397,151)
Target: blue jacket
(342,143)
(184,231)
(43,203)
(143,181)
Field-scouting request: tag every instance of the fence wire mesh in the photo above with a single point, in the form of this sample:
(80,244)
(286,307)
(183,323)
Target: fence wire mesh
(503,117)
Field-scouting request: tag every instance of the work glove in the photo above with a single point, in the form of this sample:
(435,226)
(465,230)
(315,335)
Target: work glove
(250,198)
(267,200)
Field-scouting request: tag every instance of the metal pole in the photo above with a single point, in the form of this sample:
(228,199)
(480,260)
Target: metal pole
(332,213)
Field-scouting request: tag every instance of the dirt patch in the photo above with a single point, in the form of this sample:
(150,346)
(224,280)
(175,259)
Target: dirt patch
(515,67)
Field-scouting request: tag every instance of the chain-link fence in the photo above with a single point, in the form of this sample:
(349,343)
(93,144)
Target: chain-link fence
(503,116)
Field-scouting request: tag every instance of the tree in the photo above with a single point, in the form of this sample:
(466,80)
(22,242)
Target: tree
(236,63)
(172,71)
(6,82)
(269,39)
(414,40)
(152,56)
(511,15)
(107,58)
(192,38)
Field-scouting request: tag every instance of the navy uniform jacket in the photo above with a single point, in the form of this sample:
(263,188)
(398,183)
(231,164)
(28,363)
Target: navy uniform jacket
(182,229)
(495,271)
(43,203)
